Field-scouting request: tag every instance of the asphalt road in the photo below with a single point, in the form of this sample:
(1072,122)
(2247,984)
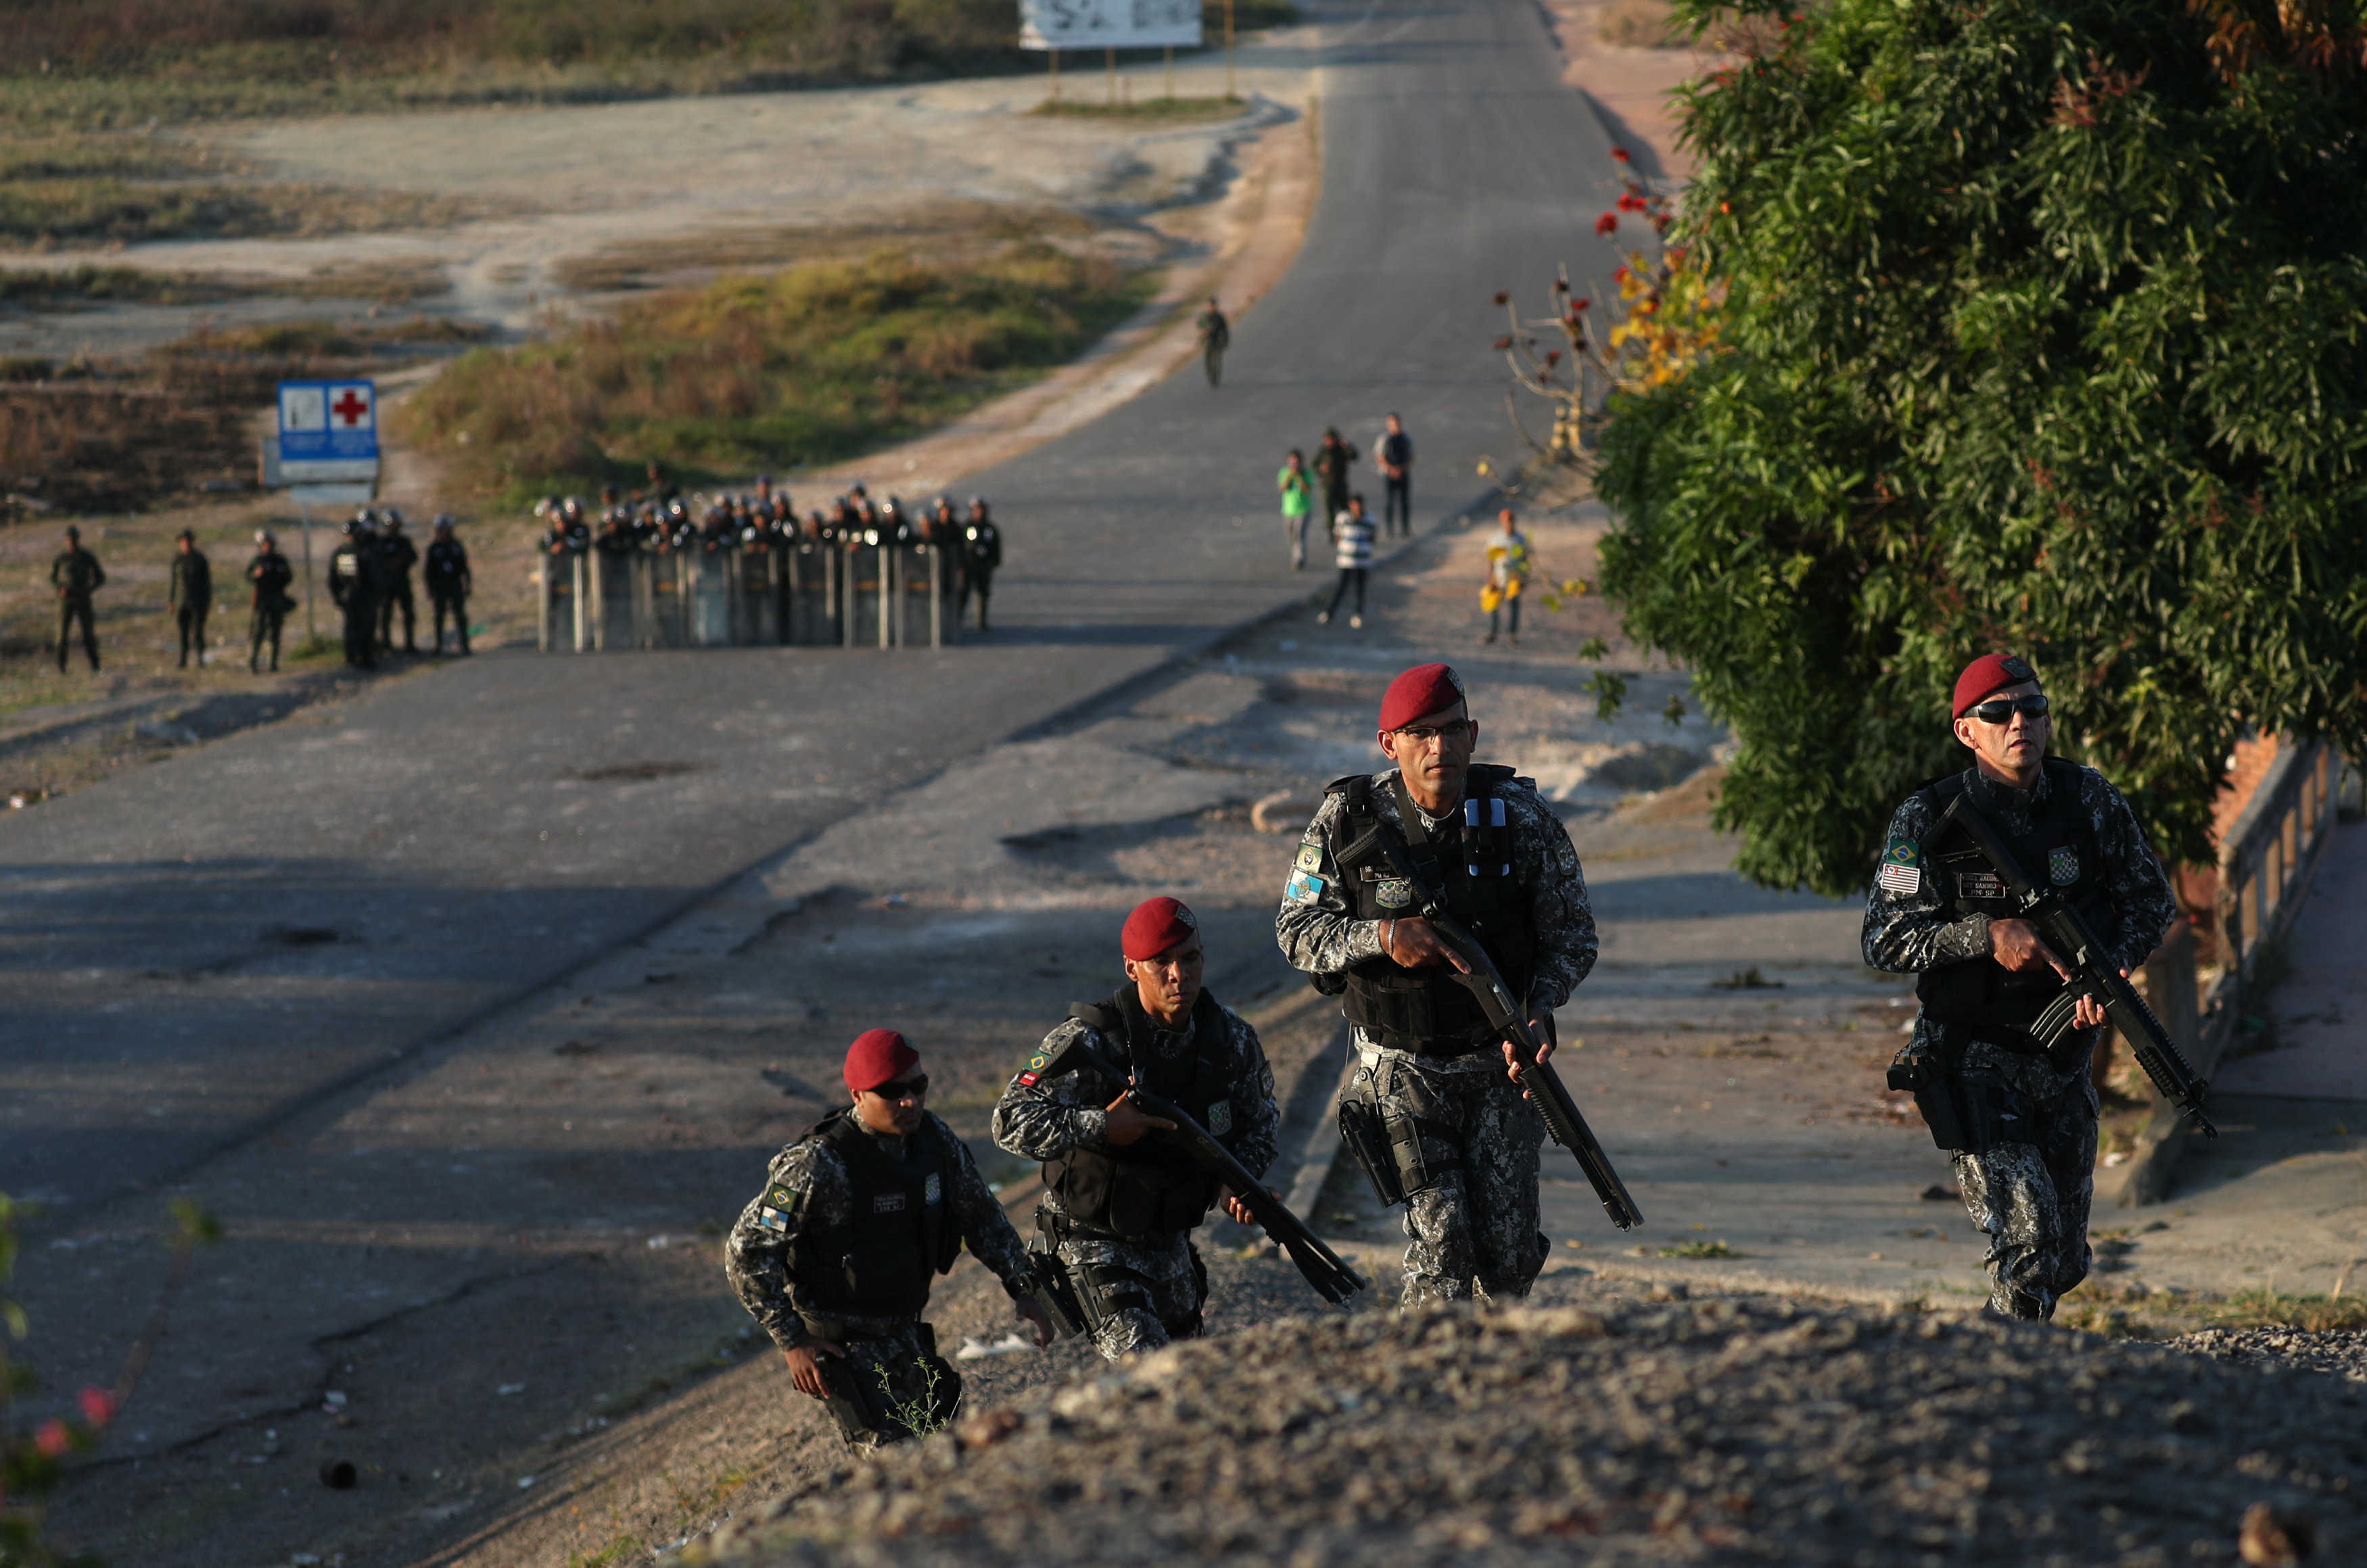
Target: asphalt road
(197,950)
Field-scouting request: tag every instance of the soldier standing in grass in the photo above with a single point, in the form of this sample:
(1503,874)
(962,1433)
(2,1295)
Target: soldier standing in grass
(858,1216)
(353,585)
(396,556)
(76,575)
(2022,1131)
(270,575)
(1119,1204)
(190,595)
(1430,1070)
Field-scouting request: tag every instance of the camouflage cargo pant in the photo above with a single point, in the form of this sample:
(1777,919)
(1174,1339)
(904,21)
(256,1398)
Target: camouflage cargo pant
(1143,1293)
(1471,1230)
(2032,1197)
(890,1385)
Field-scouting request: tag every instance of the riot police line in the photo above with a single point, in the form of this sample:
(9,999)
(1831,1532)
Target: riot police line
(742,571)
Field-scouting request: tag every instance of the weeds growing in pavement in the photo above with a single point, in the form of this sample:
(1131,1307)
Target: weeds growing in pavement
(1696,1249)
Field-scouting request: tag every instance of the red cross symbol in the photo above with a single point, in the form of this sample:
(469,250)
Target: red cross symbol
(350,407)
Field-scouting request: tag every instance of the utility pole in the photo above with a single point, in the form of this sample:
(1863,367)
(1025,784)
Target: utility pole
(1229,94)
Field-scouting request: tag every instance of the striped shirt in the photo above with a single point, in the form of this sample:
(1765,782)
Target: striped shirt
(1353,535)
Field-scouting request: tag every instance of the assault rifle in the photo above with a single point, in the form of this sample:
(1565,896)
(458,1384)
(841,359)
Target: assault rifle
(1332,1280)
(2093,974)
(1510,1019)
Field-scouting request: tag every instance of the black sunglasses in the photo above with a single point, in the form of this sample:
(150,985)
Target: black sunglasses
(904,1088)
(2000,710)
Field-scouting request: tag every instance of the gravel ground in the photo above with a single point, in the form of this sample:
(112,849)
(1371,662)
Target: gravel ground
(1731,1429)
(2338,1353)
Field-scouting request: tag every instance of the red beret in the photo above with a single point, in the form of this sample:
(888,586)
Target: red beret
(1989,672)
(1156,925)
(877,1057)
(1424,688)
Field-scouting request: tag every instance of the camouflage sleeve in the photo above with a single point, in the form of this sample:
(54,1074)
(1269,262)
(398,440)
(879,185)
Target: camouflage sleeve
(1906,931)
(805,1188)
(1562,918)
(984,1227)
(1259,1127)
(1042,1118)
(2134,880)
(1315,928)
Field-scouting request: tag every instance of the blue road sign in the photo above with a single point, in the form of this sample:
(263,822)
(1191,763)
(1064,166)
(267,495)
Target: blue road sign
(323,422)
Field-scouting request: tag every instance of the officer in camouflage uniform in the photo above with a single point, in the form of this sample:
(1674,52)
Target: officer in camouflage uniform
(2021,1128)
(353,585)
(1430,1079)
(835,1256)
(396,556)
(1119,1204)
(76,575)
(270,574)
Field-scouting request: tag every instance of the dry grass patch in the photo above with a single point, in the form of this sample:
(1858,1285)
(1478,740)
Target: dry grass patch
(812,364)
(645,263)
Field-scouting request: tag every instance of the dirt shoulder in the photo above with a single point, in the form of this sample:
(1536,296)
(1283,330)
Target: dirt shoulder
(1723,1430)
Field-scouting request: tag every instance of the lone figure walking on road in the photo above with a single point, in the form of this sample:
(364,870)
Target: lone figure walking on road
(1216,336)
(1397,471)
(190,596)
(76,575)
(1297,500)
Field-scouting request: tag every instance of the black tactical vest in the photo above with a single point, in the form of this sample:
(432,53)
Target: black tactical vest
(1470,863)
(899,1232)
(1980,996)
(1151,1187)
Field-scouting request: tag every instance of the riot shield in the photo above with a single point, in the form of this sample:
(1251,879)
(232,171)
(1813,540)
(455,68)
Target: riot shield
(558,605)
(660,584)
(756,601)
(707,596)
(613,593)
(809,613)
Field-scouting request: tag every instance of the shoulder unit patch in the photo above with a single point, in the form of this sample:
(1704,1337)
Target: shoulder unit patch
(1901,869)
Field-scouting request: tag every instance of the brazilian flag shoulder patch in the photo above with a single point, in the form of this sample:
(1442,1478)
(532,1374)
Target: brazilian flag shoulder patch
(1902,867)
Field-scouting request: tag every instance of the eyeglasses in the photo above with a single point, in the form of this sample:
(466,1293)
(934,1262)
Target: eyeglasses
(905,1088)
(2002,709)
(1425,736)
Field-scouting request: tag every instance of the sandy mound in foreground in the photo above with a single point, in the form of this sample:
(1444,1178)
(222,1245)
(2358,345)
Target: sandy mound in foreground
(1735,1429)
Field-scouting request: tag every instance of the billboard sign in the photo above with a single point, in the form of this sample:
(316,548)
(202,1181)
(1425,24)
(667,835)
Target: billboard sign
(1108,24)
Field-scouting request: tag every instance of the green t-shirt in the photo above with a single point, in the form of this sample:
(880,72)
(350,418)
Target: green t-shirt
(1295,491)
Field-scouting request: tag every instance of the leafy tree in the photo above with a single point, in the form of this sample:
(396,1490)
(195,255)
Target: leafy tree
(2042,329)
